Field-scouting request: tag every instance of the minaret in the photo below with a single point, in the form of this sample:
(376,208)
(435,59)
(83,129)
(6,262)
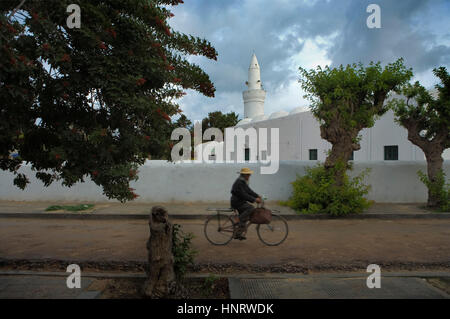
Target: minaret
(254,97)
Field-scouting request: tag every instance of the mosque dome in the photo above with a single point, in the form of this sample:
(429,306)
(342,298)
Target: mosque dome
(278,114)
(299,109)
(244,121)
(260,118)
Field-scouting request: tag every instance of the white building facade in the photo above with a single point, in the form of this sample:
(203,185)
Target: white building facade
(299,131)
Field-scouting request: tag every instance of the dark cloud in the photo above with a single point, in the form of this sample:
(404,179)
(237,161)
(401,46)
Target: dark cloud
(404,33)
(277,31)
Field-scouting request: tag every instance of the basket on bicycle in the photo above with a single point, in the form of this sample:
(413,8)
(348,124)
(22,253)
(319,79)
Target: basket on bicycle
(261,215)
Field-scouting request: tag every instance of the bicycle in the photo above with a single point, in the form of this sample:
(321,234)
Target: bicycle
(219,229)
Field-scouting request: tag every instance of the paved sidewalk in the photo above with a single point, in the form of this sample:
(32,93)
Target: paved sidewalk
(312,287)
(136,210)
(408,285)
(43,287)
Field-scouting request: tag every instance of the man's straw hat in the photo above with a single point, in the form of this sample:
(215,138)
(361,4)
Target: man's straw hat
(246,171)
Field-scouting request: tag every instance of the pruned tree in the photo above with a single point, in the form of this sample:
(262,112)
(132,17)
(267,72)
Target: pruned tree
(160,271)
(347,99)
(427,120)
(92,101)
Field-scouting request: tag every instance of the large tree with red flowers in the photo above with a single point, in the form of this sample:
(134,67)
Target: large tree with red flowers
(93,101)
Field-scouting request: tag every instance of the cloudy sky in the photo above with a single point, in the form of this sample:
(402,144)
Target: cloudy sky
(287,34)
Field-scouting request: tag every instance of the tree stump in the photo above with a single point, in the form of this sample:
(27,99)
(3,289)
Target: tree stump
(160,271)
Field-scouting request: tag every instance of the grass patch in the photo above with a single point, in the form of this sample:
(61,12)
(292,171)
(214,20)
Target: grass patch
(71,208)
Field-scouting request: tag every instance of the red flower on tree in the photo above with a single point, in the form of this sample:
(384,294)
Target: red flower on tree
(112,32)
(65,58)
(141,81)
(11,28)
(158,21)
(166,117)
(46,46)
(163,56)
(102,45)
(132,173)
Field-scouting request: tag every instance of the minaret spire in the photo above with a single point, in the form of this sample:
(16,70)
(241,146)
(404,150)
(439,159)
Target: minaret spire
(254,75)
(254,97)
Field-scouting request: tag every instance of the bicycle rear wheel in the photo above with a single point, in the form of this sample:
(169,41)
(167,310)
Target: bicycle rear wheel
(274,233)
(219,229)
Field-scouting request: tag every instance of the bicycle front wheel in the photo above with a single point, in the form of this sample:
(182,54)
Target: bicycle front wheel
(274,233)
(219,229)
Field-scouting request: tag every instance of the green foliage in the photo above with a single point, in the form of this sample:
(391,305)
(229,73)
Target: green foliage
(440,189)
(426,117)
(95,101)
(219,120)
(182,251)
(317,192)
(209,284)
(352,95)
(72,208)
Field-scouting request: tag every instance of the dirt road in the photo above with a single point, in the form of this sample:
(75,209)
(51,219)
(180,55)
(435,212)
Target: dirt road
(310,242)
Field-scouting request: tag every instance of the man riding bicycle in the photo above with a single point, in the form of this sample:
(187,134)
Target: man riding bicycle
(241,197)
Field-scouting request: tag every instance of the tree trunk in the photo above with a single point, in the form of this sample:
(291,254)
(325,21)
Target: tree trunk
(434,166)
(160,272)
(343,145)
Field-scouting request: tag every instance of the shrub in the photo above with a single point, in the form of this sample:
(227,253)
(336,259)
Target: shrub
(209,284)
(317,192)
(182,251)
(439,189)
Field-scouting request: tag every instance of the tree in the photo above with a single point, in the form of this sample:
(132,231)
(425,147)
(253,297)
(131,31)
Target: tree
(96,100)
(219,120)
(346,100)
(427,120)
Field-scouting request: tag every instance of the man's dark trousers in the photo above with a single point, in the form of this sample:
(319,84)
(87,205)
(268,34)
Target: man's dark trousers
(245,211)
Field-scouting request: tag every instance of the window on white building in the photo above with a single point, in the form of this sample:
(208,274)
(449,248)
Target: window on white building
(391,152)
(247,154)
(313,154)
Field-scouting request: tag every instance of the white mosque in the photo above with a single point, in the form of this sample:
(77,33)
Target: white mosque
(299,131)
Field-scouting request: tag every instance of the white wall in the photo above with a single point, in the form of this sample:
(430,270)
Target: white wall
(190,182)
(300,132)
